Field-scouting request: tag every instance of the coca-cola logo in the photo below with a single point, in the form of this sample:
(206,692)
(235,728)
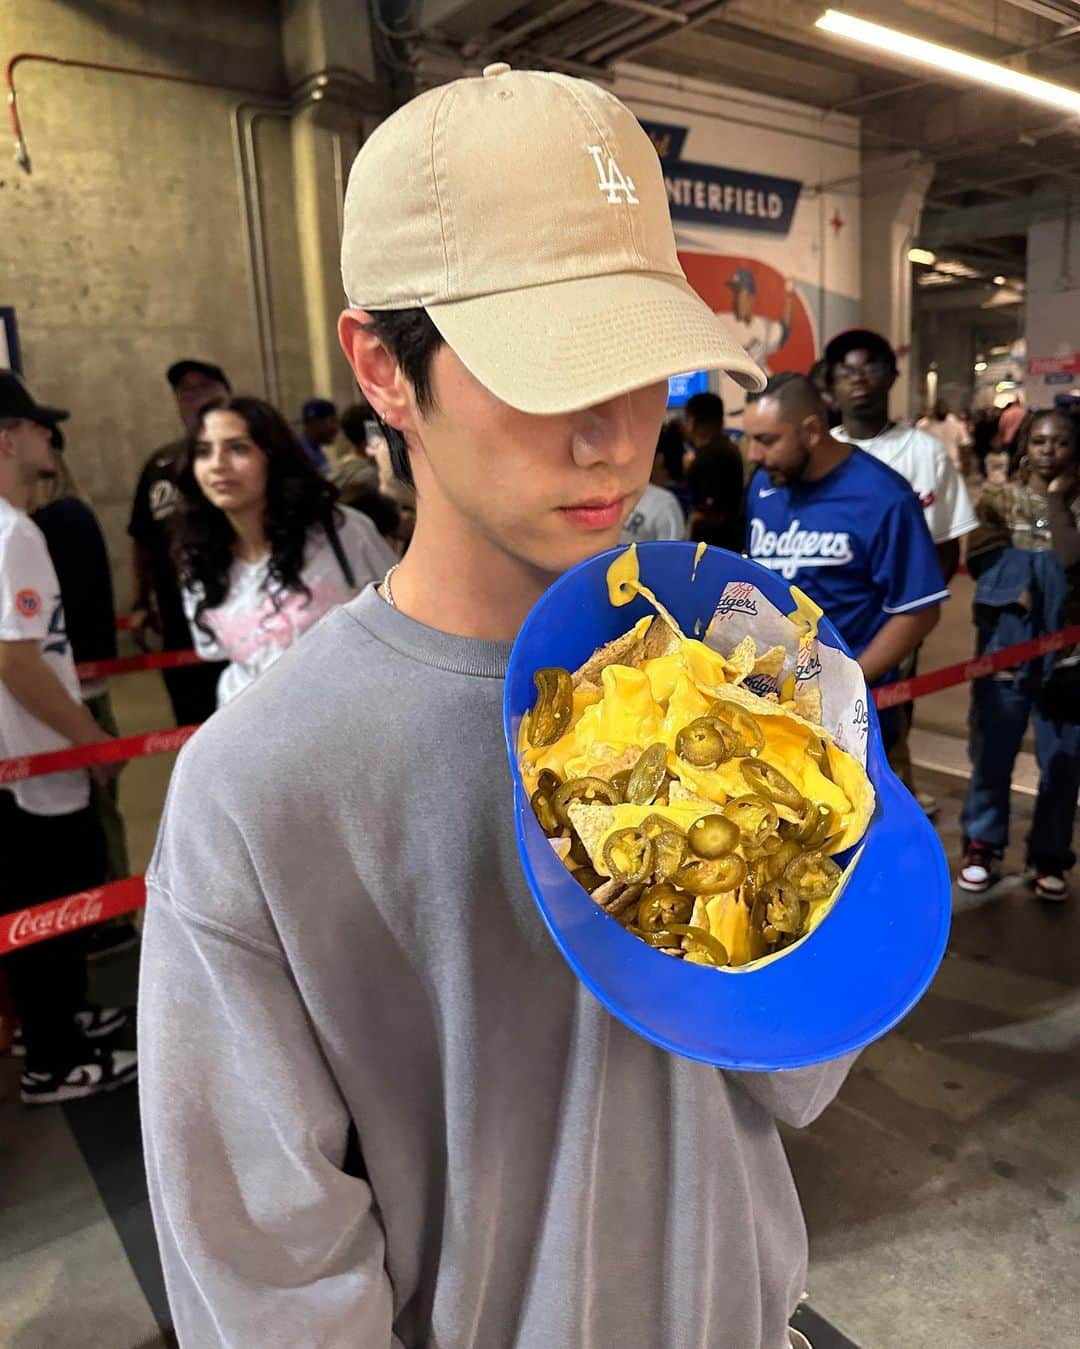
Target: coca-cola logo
(165,741)
(14,770)
(50,920)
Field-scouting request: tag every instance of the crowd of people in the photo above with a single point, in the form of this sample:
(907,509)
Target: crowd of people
(378,1106)
(245,533)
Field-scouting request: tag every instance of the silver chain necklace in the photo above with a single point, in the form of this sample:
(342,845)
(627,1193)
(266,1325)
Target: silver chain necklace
(388,594)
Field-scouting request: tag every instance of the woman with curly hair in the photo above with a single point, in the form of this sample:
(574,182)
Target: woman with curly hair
(262,549)
(1025,558)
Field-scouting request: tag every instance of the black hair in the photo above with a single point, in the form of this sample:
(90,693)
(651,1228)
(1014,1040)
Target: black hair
(412,339)
(876,347)
(707,409)
(354,421)
(298,498)
(797,396)
(671,447)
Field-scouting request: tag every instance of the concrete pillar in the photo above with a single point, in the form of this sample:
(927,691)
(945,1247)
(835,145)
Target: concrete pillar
(328,55)
(893,189)
(1053,298)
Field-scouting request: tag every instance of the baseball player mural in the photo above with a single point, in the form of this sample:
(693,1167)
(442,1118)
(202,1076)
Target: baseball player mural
(759,337)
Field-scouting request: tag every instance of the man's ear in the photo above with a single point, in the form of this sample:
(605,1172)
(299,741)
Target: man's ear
(377,372)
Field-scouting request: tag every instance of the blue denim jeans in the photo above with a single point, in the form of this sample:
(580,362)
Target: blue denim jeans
(1000,712)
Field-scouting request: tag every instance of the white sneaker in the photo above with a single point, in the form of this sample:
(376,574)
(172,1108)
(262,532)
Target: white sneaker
(1052,887)
(978,872)
(104,1070)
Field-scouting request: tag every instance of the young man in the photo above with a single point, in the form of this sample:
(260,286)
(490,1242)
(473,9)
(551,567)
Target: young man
(379,1109)
(842,527)
(715,475)
(157,606)
(51,840)
(862,370)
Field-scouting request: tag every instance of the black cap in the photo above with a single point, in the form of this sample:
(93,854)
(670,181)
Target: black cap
(179,369)
(859,339)
(17,401)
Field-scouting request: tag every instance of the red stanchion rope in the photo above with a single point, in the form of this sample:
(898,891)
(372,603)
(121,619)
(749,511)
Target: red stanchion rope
(88,907)
(152,660)
(908,689)
(57,916)
(85,756)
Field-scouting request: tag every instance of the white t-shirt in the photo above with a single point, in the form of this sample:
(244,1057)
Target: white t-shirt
(952,433)
(657,515)
(251,633)
(922,459)
(31,610)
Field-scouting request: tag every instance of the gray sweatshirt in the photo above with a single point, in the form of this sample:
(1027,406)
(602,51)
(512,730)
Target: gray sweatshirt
(378,1108)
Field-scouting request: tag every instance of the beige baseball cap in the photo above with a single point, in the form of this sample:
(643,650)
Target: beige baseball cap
(527,213)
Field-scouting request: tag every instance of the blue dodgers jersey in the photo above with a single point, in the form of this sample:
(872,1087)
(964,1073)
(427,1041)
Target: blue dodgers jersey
(856,542)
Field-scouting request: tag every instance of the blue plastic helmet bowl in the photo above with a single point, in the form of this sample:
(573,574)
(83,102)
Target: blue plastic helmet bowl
(850,981)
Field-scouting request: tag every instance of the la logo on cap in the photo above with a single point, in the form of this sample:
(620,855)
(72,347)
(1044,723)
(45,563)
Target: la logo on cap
(612,180)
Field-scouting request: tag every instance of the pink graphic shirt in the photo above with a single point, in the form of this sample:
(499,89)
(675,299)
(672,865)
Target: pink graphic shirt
(251,631)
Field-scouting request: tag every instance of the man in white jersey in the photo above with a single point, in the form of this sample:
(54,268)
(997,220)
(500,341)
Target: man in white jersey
(51,840)
(861,371)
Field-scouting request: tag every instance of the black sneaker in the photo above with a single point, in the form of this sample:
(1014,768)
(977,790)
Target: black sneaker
(104,1070)
(98,1023)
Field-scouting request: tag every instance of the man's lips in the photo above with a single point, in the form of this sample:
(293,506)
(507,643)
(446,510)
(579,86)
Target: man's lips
(596,512)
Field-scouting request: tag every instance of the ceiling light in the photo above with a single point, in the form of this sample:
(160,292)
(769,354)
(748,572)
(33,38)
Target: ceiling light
(947,60)
(921,255)
(999,281)
(953,268)
(980,366)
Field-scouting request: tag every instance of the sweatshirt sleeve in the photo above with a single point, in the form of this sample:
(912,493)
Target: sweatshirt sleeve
(798,1096)
(265,1238)
(1063,530)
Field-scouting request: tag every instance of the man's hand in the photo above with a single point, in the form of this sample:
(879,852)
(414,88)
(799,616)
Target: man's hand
(144,620)
(1064,482)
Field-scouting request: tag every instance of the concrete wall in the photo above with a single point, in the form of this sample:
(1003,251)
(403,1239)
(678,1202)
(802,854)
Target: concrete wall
(125,248)
(1053,300)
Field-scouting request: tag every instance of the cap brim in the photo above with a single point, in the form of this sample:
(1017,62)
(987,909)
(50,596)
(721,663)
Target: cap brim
(573,344)
(50,416)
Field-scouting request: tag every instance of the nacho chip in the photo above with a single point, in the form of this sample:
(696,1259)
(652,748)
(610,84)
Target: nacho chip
(742,659)
(770,663)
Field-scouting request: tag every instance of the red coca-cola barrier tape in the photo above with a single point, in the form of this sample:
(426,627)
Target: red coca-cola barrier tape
(908,689)
(85,756)
(152,660)
(57,916)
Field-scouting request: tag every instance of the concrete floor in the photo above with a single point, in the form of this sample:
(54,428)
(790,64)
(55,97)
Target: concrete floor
(942,1189)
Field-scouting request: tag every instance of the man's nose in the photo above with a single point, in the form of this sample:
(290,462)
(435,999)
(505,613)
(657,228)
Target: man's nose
(605,432)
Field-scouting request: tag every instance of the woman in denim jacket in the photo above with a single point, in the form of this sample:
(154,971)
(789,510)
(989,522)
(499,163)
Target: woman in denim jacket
(1026,559)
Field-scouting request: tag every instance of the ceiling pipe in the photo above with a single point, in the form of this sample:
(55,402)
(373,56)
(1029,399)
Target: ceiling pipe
(506,42)
(641,40)
(583,44)
(656,11)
